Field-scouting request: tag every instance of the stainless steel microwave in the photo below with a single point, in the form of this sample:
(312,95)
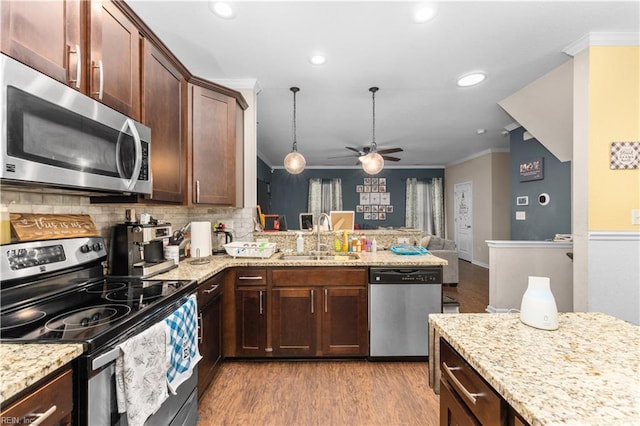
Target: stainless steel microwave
(55,136)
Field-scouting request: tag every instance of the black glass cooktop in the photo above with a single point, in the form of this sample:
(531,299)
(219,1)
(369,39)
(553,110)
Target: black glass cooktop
(94,312)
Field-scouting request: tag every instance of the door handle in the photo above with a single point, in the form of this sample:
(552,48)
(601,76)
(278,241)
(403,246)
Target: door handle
(131,182)
(78,78)
(200,327)
(312,299)
(197,191)
(326,294)
(261,302)
(41,417)
(100,91)
(212,288)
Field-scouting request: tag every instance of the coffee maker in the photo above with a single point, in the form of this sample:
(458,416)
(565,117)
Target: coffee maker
(138,250)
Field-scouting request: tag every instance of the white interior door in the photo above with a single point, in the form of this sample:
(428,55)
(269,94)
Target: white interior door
(463,217)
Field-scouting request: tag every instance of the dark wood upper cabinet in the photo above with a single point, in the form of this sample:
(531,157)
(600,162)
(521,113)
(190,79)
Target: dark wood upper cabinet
(162,110)
(47,36)
(114,59)
(212,133)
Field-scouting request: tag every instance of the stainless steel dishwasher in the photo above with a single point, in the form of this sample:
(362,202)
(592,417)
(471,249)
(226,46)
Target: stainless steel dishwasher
(400,301)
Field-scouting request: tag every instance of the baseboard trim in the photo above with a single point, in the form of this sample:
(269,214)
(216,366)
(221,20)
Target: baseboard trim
(482,264)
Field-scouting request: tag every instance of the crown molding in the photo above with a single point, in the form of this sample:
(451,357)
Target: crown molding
(477,155)
(602,39)
(240,83)
(512,126)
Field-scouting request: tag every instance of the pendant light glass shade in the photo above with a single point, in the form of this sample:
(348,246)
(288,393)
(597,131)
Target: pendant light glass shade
(294,162)
(372,163)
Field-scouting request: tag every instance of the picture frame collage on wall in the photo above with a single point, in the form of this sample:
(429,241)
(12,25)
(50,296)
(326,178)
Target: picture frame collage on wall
(375,201)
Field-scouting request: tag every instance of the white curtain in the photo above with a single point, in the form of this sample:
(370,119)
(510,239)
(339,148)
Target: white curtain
(425,206)
(324,195)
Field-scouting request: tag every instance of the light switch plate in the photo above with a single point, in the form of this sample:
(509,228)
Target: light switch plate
(635,217)
(521,215)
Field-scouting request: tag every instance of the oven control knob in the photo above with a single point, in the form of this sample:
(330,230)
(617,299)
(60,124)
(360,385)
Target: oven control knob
(86,248)
(97,246)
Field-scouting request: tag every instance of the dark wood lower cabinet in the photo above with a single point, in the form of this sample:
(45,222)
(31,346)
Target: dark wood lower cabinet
(48,404)
(210,343)
(295,318)
(344,321)
(251,323)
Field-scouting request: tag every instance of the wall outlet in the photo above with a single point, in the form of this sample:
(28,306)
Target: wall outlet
(521,215)
(403,240)
(635,217)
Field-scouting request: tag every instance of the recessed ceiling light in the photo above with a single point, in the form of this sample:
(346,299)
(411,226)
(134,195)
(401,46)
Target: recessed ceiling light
(481,131)
(222,9)
(424,13)
(318,59)
(471,79)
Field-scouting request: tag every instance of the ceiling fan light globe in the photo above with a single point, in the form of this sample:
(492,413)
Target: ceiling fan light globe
(372,163)
(294,162)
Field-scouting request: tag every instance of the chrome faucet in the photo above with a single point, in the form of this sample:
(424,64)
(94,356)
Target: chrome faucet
(325,216)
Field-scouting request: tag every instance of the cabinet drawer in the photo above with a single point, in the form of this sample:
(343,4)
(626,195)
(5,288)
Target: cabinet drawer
(51,403)
(251,276)
(479,397)
(319,276)
(208,290)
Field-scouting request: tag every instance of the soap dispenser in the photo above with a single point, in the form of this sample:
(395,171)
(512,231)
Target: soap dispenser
(300,243)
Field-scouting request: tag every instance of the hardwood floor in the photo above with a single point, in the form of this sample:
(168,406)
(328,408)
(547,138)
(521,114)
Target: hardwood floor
(320,393)
(472,291)
(350,393)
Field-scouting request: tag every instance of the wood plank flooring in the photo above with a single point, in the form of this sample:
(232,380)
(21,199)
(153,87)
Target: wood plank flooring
(320,393)
(340,393)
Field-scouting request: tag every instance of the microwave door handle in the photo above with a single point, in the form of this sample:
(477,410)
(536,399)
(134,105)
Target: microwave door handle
(138,164)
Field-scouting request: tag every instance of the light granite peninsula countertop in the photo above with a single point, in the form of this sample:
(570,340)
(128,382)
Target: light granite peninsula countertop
(585,373)
(187,271)
(24,364)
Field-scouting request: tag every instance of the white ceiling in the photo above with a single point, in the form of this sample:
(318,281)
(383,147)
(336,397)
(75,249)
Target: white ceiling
(419,107)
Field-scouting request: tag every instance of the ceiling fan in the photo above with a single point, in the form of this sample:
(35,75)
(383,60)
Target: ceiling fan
(361,152)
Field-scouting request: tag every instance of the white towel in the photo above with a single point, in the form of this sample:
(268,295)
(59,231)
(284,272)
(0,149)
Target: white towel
(182,340)
(140,374)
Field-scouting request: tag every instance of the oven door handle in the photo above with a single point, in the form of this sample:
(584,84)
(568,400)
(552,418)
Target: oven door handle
(105,358)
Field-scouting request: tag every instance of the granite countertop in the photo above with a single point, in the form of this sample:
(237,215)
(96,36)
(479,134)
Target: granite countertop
(23,364)
(216,264)
(586,372)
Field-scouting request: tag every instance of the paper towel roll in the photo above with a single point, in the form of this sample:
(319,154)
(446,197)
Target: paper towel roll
(200,239)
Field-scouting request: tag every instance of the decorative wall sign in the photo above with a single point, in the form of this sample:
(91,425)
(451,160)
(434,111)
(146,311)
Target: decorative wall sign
(532,170)
(625,155)
(35,227)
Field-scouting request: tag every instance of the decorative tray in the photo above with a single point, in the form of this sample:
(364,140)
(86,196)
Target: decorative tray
(245,249)
(407,249)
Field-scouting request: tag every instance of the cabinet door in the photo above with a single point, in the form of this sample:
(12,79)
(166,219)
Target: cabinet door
(49,404)
(344,321)
(46,36)
(213,147)
(251,329)
(211,344)
(294,319)
(453,412)
(114,75)
(162,99)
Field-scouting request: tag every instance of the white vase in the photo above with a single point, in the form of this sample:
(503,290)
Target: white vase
(538,308)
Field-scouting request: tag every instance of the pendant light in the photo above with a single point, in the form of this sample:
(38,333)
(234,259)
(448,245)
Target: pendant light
(372,163)
(294,162)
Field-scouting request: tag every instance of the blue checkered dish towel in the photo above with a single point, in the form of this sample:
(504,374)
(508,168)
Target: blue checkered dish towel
(182,343)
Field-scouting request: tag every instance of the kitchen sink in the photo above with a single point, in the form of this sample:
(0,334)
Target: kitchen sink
(323,256)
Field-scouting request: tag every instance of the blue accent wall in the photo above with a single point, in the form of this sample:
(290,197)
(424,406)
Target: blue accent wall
(264,171)
(290,193)
(542,222)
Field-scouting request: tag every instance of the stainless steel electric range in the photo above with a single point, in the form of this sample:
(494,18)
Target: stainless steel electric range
(56,291)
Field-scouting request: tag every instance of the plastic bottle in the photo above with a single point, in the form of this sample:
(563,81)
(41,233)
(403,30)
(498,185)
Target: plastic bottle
(300,242)
(337,243)
(345,241)
(374,245)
